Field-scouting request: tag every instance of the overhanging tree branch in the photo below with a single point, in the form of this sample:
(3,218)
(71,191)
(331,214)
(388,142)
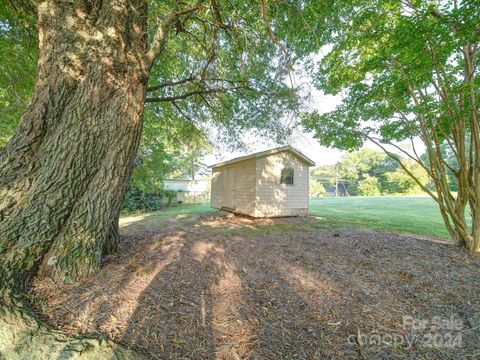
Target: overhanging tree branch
(192,93)
(189,118)
(170,83)
(263,9)
(163,30)
(402,165)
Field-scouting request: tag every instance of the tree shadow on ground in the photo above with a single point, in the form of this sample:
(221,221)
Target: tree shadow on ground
(232,288)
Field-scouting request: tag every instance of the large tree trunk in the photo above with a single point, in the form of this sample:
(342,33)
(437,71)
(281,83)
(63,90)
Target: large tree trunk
(64,173)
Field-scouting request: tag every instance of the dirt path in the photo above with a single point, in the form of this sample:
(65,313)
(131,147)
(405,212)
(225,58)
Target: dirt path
(202,287)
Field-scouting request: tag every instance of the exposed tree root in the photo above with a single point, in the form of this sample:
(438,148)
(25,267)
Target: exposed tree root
(24,337)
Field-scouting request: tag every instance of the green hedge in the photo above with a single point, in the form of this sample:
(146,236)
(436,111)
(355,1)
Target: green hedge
(136,200)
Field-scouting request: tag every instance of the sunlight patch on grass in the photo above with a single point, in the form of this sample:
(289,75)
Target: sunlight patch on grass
(179,212)
(127,220)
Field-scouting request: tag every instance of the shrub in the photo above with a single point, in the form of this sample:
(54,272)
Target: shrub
(369,186)
(137,200)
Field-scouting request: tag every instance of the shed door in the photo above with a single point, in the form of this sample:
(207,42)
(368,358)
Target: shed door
(229,188)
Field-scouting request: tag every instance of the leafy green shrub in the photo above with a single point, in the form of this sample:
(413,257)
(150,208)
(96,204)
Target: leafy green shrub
(170,196)
(368,186)
(316,188)
(137,200)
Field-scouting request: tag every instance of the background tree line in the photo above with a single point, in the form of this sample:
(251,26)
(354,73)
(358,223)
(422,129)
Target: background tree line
(366,172)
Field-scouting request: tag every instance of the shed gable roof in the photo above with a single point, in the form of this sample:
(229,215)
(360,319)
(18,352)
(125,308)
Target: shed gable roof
(260,154)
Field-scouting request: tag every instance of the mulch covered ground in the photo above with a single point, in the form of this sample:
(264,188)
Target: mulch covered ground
(223,287)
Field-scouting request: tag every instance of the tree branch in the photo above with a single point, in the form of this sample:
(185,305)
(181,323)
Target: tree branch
(170,83)
(192,93)
(183,113)
(263,10)
(404,167)
(163,30)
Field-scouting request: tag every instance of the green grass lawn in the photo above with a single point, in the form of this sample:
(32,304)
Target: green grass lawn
(416,215)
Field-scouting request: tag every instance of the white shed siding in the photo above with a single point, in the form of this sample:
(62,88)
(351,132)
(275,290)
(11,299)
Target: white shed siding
(233,187)
(217,188)
(276,199)
(245,187)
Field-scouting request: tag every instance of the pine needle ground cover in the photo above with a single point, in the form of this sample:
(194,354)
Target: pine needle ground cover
(199,284)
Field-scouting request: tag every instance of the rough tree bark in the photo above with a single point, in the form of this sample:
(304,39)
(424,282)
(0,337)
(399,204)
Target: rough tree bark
(64,173)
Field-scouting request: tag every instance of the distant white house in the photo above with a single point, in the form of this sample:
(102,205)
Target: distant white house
(265,184)
(190,191)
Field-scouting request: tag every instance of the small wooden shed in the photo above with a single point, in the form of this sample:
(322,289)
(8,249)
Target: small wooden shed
(265,184)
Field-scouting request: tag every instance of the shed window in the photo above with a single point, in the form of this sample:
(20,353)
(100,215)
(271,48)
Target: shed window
(286,176)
